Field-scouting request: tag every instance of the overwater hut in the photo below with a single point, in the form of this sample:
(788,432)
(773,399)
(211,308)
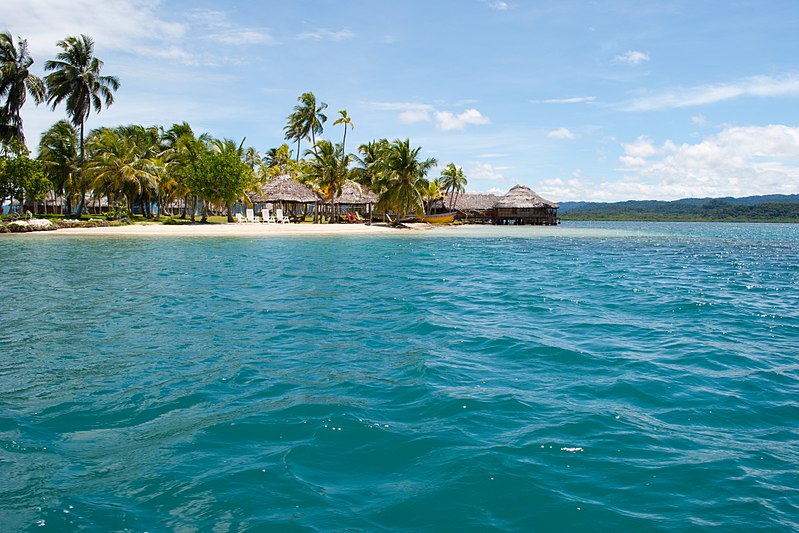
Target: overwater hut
(285,193)
(521,205)
(474,207)
(357,199)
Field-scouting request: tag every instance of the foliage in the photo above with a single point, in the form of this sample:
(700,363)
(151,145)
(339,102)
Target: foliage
(346,121)
(306,121)
(453,182)
(714,210)
(58,155)
(16,82)
(21,177)
(220,175)
(401,179)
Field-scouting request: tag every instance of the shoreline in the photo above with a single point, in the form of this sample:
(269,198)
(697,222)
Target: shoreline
(228,230)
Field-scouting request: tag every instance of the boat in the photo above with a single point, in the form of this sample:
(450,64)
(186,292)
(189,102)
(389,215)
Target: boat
(440,218)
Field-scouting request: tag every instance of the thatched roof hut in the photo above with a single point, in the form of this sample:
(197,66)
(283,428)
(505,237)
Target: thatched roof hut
(284,188)
(521,205)
(351,195)
(521,197)
(471,201)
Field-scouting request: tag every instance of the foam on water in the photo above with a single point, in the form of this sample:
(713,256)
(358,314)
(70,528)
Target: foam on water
(589,376)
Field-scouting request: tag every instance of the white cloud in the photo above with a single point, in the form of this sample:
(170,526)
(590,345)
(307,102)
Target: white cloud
(447,121)
(485,171)
(573,100)
(699,120)
(411,116)
(563,134)
(762,86)
(320,34)
(739,161)
(113,24)
(632,57)
(497,4)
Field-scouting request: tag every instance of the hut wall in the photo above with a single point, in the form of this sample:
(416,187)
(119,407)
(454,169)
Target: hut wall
(538,216)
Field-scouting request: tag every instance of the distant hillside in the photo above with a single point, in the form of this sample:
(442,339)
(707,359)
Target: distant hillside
(767,208)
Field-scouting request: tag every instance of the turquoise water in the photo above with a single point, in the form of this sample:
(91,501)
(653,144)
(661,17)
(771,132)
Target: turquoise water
(584,377)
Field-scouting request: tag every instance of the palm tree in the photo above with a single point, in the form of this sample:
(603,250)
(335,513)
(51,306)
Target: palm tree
(347,121)
(431,193)
(329,170)
(306,120)
(75,79)
(58,154)
(183,154)
(119,165)
(453,182)
(401,179)
(368,163)
(16,82)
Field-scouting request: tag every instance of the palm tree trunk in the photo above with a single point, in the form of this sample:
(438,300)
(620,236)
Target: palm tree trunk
(82,199)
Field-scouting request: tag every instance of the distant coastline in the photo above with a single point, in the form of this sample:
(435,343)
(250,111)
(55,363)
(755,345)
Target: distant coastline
(771,208)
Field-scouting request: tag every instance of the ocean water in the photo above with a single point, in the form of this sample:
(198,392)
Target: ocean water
(585,377)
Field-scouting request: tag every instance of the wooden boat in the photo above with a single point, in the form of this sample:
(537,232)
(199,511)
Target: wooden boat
(440,218)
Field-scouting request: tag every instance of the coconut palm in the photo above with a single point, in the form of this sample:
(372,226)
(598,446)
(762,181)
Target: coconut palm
(347,121)
(119,165)
(58,154)
(76,80)
(16,82)
(401,179)
(453,182)
(306,120)
(431,193)
(368,163)
(328,168)
(183,153)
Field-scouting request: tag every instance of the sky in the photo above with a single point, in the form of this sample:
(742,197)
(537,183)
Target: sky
(580,100)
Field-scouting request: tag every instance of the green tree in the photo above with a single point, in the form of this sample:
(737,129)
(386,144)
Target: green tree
(58,155)
(346,121)
(16,82)
(119,165)
(222,175)
(75,78)
(306,121)
(368,163)
(22,177)
(183,154)
(453,182)
(401,179)
(328,168)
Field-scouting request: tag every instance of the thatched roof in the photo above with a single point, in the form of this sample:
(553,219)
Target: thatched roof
(521,197)
(284,188)
(351,195)
(472,201)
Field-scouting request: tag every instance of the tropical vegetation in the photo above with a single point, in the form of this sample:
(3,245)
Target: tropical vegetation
(155,169)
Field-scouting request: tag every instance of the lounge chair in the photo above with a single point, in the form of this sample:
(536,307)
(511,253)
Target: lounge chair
(239,218)
(266,217)
(250,216)
(280,218)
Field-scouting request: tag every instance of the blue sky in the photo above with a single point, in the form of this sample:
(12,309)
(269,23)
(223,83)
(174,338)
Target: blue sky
(606,100)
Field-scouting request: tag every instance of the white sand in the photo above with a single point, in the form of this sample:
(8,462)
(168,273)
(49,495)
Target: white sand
(229,230)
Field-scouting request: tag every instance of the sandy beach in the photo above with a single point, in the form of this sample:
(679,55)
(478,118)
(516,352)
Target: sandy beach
(228,230)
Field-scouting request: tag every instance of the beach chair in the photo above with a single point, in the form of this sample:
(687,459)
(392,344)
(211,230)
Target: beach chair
(250,216)
(280,218)
(239,218)
(266,217)
(358,217)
